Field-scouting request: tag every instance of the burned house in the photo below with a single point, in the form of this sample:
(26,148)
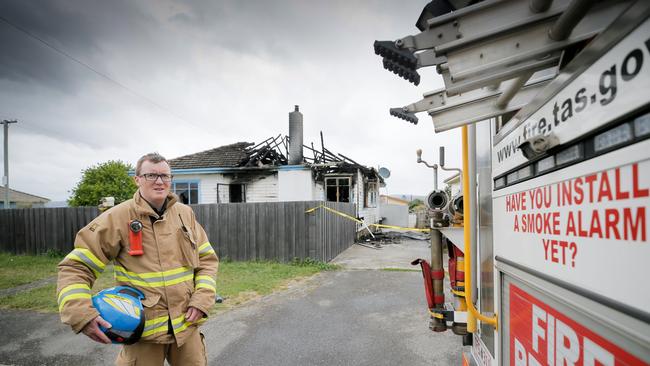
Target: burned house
(277,169)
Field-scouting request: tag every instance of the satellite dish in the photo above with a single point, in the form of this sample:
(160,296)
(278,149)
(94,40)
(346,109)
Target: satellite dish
(384,172)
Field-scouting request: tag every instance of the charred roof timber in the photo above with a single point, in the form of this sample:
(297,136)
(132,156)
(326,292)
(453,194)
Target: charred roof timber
(268,155)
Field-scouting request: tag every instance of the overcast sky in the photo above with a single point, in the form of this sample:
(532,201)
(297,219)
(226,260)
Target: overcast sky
(191,75)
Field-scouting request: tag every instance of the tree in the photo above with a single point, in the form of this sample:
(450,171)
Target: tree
(109,179)
(415,204)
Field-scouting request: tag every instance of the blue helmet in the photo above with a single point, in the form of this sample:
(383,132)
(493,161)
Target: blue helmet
(122,307)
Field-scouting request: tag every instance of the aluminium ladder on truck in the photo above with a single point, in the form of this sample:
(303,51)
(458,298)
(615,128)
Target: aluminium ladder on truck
(554,100)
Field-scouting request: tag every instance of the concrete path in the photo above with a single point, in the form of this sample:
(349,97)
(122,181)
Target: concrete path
(387,256)
(356,316)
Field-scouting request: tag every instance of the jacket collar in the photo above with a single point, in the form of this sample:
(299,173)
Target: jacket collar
(143,207)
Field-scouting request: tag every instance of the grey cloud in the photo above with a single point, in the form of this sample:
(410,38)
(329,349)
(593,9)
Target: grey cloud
(232,68)
(80,29)
(291,29)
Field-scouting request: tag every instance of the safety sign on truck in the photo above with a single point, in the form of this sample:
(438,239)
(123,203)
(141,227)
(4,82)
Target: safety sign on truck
(580,228)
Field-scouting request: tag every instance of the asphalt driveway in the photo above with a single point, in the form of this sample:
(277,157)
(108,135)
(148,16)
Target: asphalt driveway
(357,316)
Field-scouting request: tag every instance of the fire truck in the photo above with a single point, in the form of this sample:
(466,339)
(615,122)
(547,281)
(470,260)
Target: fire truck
(547,252)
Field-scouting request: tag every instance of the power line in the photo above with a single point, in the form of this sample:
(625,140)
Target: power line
(89,67)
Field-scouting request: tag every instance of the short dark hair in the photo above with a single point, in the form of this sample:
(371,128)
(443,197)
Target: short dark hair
(153,157)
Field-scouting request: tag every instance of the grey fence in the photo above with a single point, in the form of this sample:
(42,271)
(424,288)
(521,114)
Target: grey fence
(238,231)
(277,230)
(38,230)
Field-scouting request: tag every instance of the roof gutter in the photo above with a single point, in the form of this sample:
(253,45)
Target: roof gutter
(223,170)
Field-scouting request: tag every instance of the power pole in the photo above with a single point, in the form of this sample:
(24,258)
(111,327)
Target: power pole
(5,178)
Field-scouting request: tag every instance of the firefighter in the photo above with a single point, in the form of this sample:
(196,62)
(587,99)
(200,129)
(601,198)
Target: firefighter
(158,248)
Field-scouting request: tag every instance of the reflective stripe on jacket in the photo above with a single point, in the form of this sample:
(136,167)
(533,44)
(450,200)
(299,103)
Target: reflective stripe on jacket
(178,268)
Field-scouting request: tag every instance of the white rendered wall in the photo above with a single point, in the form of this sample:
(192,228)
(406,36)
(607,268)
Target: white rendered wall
(318,191)
(264,189)
(295,185)
(397,215)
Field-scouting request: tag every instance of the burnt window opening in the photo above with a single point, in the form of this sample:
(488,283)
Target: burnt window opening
(237,193)
(337,189)
(231,193)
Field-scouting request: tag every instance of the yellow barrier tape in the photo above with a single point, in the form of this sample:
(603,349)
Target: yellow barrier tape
(361,222)
(342,214)
(436,315)
(400,228)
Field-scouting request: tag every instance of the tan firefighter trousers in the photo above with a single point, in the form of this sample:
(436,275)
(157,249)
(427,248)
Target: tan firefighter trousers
(192,353)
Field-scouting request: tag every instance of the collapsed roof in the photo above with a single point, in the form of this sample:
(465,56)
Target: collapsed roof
(270,154)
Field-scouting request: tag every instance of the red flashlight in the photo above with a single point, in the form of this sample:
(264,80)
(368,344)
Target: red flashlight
(135,238)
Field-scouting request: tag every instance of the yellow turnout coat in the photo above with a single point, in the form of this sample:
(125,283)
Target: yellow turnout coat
(177,270)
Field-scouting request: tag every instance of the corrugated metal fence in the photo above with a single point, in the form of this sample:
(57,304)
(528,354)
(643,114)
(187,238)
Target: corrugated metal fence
(238,231)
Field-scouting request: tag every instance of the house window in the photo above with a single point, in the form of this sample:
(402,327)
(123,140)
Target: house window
(371,195)
(337,189)
(237,193)
(187,191)
(231,193)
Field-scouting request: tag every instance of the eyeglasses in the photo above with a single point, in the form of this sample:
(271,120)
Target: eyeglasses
(154,177)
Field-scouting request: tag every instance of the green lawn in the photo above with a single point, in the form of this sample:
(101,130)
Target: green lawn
(237,282)
(16,270)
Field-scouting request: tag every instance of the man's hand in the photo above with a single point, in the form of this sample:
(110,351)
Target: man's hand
(193,314)
(92,331)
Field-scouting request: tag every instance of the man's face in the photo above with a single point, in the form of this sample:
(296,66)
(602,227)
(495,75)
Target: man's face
(155,191)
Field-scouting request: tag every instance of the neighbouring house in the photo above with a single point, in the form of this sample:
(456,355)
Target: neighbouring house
(394,211)
(454,184)
(390,200)
(19,199)
(277,170)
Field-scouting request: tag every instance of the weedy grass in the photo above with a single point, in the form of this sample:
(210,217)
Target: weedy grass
(237,282)
(43,299)
(16,270)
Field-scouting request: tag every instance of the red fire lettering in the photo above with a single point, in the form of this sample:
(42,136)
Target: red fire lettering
(581,232)
(620,195)
(571,225)
(546,243)
(594,227)
(590,179)
(516,228)
(637,192)
(579,197)
(611,219)
(605,190)
(556,223)
(633,227)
